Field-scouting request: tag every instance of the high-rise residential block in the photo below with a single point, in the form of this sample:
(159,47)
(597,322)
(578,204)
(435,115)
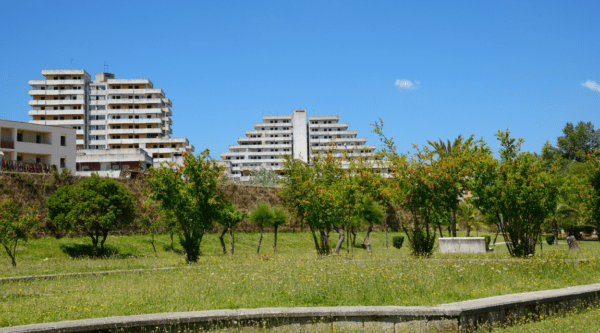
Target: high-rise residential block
(295,135)
(108,114)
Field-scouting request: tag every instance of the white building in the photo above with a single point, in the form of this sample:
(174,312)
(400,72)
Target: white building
(36,147)
(265,146)
(108,114)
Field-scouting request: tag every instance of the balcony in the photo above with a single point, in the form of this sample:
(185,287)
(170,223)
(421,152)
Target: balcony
(134,130)
(64,122)
(7,144)
(136,121)
(130,111)
(53,92)
(268,132)
(134,101)
(79,142)
(55,112)
(57,102)
(61,82)
(144,91)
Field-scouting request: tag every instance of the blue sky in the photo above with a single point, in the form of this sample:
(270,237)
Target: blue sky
(429,69)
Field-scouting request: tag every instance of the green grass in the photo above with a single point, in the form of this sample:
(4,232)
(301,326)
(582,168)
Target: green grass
(293,277)
(584,321)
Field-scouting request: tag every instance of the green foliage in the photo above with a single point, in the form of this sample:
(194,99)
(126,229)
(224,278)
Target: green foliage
(577,142)
(550,239)
(264,177)
(16,223)
(397,241)
(191,194)
(93,206)
(262,215)
(517,189)
(279,216)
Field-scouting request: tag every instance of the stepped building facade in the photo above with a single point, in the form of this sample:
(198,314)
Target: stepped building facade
(294,135)
(117,121)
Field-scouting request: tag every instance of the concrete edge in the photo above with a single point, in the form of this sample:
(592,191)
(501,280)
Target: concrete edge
(450,311)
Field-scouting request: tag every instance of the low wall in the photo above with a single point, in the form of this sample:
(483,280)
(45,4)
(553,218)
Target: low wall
(492,311)
(462,245)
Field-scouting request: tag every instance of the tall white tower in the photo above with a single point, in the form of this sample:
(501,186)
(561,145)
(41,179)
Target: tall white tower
(299,135)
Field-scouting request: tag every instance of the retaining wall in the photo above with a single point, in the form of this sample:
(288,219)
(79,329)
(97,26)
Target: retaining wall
(492,311)
(462,245)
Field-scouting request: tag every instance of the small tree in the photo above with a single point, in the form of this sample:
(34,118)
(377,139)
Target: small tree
(262,216)
(16,224)
(518,191)
(191,193)
(372,213)
(153,221)
(279,218)
(230,217)
(93,206)
(264,177)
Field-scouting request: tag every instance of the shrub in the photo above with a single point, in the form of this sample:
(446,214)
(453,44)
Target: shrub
(397,241)
(550,239)
(488,239)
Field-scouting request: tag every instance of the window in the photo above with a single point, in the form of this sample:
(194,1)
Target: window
(38,160)
(38,139)
(148,116)
(63,163)
(63,141)
(20,137)
(130,87)
(42,118)
(137,87)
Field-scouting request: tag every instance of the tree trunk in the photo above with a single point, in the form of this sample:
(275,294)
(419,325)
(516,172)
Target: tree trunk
(231,242)
(453,222)
(260,239)
(223,249)
(440,229)
(275,240)
(449,232)
(154,247)
(340,240)
(468,230)
(12,255)
(386,236)
(172,249)
(368,237)
(497,232)
(317,247)
(555,231)
(94,244)
(104,235)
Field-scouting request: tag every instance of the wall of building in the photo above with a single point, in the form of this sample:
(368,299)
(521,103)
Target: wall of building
(299,130)
(48,148)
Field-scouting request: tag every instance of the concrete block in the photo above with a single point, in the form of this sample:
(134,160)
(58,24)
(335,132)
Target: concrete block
(442,325)
(383,326)
(350,325)
(410,326)
(462,245)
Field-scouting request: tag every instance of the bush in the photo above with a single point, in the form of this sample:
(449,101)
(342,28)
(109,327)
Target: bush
(488,239)
(397,241)
(550,239)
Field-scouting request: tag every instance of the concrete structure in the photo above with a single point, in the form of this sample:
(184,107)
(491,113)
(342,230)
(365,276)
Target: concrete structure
(452,317)
(38,144)
(462,245)
(109,162)
(108,114)
(277,136)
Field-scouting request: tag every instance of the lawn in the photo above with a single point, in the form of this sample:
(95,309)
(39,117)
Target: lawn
(293,277)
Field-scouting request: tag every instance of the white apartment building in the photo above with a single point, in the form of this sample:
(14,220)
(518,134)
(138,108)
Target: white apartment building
(108,114)
(265,146)
(36,147)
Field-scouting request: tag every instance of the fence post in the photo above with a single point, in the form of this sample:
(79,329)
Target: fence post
(1,155)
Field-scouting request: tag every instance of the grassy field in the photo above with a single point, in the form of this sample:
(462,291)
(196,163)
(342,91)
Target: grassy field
(293,277)
(586,321)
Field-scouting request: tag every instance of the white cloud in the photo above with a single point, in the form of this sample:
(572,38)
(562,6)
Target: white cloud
(406,84)
(589,84)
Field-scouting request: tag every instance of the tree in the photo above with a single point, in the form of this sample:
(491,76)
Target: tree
(191,193)
(264,177)
(443,150)
(518,191)
(153,221)
(261,216)
(279,218)
(16,223)
(577,142)
(424,185)
(371,213)
(230,217)
(93,206)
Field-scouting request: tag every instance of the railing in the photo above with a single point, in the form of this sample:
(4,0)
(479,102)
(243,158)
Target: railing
(20,166)
(7,144)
